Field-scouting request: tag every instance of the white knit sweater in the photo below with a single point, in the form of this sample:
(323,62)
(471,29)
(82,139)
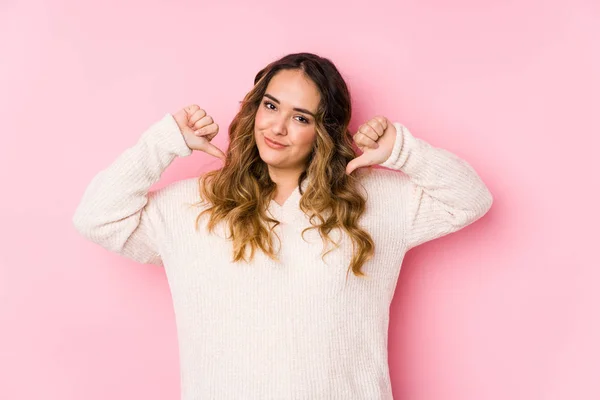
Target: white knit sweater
(289,330)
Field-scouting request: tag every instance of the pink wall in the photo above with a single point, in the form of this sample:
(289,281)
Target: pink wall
(505,309)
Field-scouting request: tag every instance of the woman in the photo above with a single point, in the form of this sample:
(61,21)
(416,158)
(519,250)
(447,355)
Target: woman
(283,263)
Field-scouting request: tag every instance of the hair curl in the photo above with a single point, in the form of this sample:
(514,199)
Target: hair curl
(239,193)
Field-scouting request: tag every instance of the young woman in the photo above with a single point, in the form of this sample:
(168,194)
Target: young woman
(282,264)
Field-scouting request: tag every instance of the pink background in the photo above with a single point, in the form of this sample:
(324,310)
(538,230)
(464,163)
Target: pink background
(508,308)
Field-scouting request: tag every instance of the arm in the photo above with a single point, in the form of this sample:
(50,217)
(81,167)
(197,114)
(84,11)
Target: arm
(117,210)
(444,193)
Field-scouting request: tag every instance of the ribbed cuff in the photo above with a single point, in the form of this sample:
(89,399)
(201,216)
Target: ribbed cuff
(397,159)
(168,135)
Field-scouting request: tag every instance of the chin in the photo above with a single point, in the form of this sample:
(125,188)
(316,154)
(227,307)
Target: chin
(271,161)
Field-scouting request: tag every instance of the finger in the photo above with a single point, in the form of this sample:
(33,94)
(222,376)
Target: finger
(210,136)
(190,110)
(377,127)
(213,150)
(203,122)
(211,129)
(383,120)
(363,140)
(368,131)
(361,161)
(196,116)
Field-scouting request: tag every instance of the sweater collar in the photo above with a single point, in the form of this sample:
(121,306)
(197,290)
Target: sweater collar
(291,206)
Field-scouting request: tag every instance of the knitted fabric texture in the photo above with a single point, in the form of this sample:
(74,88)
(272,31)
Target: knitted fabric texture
(293,329)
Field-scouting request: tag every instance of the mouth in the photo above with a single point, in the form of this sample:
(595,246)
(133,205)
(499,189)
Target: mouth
(273,144)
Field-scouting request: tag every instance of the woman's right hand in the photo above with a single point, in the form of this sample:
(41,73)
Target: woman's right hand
(198,129)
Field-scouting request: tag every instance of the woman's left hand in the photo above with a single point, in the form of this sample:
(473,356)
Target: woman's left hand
(375,139)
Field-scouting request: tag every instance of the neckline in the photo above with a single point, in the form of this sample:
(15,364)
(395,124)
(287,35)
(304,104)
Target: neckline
(287,201)
(293,200)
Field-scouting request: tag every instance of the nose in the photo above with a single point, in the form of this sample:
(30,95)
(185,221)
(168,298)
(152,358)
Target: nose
(278,126)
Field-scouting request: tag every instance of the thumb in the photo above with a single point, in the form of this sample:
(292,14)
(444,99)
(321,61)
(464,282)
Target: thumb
(213,150)
(360,161)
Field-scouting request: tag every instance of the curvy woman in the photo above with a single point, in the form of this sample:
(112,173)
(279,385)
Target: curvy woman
(283,262)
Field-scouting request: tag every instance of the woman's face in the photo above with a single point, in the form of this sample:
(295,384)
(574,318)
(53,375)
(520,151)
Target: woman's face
(284,126)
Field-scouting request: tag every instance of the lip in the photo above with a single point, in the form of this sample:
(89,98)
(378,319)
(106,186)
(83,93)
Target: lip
(272,144)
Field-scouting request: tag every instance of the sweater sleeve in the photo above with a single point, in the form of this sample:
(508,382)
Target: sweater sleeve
(117,211)
(443,194)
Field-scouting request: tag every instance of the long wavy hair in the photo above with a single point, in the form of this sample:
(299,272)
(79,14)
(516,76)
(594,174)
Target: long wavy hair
(239,193)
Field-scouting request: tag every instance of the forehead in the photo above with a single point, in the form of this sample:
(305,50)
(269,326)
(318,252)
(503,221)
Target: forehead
(294,89)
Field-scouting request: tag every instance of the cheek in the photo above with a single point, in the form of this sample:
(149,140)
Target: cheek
(260,119)
(305,139)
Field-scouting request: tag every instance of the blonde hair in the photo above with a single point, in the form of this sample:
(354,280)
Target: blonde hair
(240,192)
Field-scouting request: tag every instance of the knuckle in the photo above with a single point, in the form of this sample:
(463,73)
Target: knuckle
(377,126)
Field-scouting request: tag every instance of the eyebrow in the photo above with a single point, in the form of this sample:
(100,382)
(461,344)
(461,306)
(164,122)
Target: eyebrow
(302,110)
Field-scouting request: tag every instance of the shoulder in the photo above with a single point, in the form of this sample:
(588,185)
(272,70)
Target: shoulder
(386,198)
(387,194)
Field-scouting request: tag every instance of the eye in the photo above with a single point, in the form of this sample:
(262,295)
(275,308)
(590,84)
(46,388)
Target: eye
(268,105)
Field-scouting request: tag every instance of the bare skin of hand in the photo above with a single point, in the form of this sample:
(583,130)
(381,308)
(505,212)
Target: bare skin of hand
(198,129)
(375,138)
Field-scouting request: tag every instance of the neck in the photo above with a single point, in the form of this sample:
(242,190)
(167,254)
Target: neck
(286,181)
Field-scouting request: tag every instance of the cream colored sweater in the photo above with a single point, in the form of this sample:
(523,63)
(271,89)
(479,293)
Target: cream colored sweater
(289,330)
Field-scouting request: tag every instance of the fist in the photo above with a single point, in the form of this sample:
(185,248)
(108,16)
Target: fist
(198,129)
(375,138)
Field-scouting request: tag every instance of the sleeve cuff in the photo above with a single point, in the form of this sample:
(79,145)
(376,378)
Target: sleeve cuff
(169,136)
(396,159)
